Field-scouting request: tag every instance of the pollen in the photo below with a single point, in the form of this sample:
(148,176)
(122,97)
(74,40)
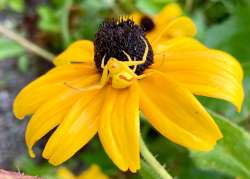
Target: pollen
(115,37)
(147,24)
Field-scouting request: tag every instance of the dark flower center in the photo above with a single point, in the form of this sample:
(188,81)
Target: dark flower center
(147,24)
(116,36)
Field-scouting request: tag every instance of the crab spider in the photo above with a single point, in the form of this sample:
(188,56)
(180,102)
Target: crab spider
(119,72)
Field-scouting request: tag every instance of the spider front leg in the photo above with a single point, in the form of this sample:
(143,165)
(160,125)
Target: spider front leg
(105,76)
(103,61)
(105,72)
(138,77)
(129,60)
(144,58)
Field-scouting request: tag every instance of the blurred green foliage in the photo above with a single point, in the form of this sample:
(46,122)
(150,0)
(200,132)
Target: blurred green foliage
(232,35)
(231,155)
(222,24)
(151,7)
(15,5)
(49,19)
(9,49)
(26,165)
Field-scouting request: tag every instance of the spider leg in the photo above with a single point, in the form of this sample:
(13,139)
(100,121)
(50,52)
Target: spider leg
(127,55)
(133,63)
(144,58)
(103,61)
(105,75)
(140,76)
(134,67)
(129,60)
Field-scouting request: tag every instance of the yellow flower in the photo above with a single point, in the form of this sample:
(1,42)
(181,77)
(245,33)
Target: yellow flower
(99,87)
(93,172)
(168,23)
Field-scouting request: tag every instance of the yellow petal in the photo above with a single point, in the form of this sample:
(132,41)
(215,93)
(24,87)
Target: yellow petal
(119,127)
(28,101)
(132,127)
(64,173)
(206,72)
(93,172)
(178,44)
(168,13)
(79,51)
(47,86)
(136,17)
(182,26)
(78,127)
(48,116)
(176,114)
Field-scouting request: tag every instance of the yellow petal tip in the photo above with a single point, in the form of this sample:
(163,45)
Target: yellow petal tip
(134,170)
(19,117)
(31,153)
(17,112)
(53,162)
(45,154)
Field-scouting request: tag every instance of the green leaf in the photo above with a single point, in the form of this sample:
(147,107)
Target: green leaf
(232,153)
(92,6)
(15,5)
(9,49)
(23,63)
(232,35)
(49,19)
(151,7)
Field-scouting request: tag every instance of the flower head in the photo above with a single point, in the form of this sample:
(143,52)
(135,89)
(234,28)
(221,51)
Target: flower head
(99,88)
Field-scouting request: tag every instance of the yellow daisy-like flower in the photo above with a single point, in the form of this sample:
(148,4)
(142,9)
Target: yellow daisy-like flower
(99,88)
(169,23)
(93,172)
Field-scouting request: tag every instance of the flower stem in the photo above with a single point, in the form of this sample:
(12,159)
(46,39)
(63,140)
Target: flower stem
(150,159)
(26,44)
(65,21)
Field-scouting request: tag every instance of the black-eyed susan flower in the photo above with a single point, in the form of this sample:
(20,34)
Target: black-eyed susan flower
(93,171)
(167,24)
(99,88)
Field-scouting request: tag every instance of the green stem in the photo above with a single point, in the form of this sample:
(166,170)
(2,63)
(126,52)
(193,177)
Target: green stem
(65,21)
(147,172)
(26,44)
(150,159)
